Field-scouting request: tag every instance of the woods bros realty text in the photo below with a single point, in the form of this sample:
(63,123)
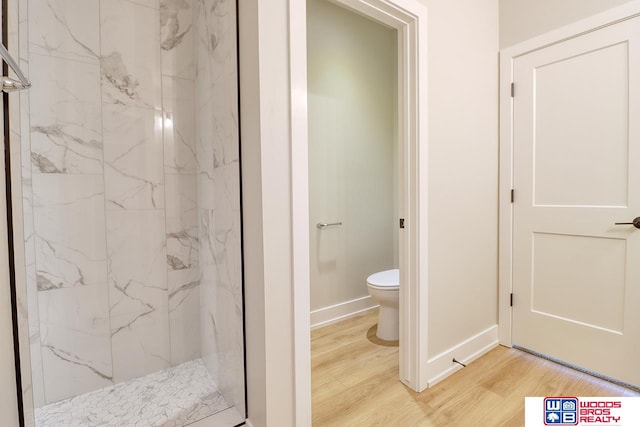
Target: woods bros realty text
(598,412)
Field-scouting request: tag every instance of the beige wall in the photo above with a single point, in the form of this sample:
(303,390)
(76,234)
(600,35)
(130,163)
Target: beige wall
(463,164)
(523,19)
(463,170)
(352,88)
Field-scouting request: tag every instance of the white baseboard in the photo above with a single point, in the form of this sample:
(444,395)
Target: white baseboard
(334,313)
(442,365)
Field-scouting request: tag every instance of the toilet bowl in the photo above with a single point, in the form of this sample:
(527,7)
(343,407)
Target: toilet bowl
(384,287)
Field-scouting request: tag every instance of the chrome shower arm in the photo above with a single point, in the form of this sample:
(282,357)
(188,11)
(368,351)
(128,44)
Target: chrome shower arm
(9,84)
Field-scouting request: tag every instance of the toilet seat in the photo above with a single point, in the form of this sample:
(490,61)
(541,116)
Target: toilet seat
(388,280)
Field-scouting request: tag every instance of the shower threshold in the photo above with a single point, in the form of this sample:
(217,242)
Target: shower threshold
(175,396)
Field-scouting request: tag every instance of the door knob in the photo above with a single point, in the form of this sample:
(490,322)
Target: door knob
(635,223)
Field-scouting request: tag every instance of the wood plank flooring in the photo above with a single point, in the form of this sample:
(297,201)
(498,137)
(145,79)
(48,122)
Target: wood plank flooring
(355,383)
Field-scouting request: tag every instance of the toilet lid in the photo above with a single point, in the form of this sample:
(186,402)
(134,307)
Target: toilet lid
(385,279)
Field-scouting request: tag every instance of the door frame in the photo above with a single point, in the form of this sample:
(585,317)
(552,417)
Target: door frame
(507,57)
(9,405)
(409,18)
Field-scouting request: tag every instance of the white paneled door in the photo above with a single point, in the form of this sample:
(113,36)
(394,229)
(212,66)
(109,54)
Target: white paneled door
(576,275)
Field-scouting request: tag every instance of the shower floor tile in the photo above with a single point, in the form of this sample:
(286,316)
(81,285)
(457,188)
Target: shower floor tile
(172,397)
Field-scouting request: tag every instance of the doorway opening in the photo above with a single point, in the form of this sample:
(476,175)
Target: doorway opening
(353,158)
(408,18)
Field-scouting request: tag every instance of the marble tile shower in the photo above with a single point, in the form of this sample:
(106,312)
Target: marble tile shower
(130,187)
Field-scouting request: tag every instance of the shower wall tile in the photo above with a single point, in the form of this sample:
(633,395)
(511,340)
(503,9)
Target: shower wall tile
(219,128)
(208,248)
(227,186)
(218,195)
(209,325)
(181,167)
(136,253)
(66,118)
(65,29)
(215,42)
(133,301)
(184,315)
(206,188)
(25,133)
(221,299)
(140,345)
(133,147)
(219,190)
(74,327)
(176,38)
(154,4)
(219,170)
(69,231)
(228,255)
(138,292)
(133,155)
(35,358)
(35,352)
(179,126)
(225,129)
(23,35)
(130,61)
(29,254)
(217,71)
(230,310)
(20,110)
(181,222)
(231,353)
(221,249)
(209,345)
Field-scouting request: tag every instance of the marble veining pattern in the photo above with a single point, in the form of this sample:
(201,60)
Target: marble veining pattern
(134,174)
(184,315)
(172,397)
(130,58)
(130,168)
(138,292)
(182,222)
(172,32)
(75,341)
(219,195)
(30,356)
(69,229)
(179,126)
(66,127)
(176,38)
(65,29)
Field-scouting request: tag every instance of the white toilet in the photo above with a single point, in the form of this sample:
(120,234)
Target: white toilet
(385,288)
